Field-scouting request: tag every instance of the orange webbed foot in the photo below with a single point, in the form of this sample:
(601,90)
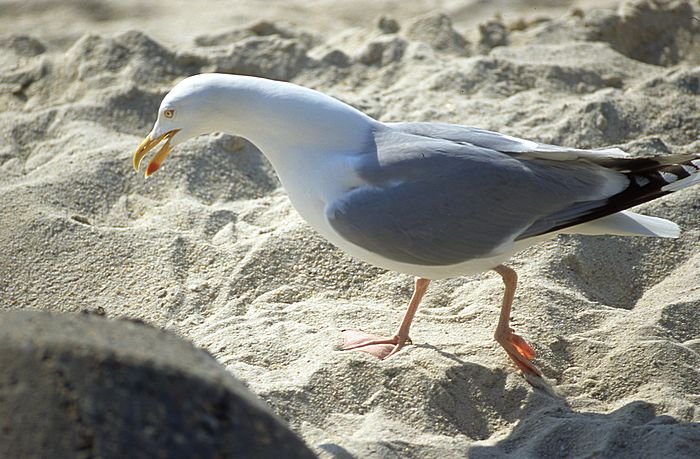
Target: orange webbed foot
(378,346)
(519,351)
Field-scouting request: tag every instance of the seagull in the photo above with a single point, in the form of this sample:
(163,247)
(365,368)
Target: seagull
(431,200)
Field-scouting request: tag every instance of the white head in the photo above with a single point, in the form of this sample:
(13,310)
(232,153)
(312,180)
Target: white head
(185,112)
(271,114)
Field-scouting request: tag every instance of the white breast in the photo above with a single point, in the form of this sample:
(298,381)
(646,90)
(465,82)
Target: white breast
(312,180)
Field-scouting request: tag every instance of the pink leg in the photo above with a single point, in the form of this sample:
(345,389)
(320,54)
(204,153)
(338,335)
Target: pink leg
(519,351)
(385,347)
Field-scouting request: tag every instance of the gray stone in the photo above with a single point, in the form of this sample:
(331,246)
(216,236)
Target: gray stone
(437,31)
(85,386)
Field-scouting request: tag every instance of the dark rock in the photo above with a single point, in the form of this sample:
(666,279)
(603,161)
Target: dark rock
(84,386)
(383,50)
(336,58)
(491,34)
(388,25)
(437,31)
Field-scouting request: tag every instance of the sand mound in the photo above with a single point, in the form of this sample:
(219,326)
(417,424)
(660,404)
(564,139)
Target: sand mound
(211,248)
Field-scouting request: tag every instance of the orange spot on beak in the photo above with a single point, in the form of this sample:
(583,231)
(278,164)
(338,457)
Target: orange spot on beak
(159,157)
(152,167)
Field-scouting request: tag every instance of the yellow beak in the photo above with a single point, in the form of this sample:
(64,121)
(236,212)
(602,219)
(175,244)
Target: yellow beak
(147,145)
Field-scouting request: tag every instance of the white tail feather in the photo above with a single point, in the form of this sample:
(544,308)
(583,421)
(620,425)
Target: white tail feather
(683,183)
(628,224)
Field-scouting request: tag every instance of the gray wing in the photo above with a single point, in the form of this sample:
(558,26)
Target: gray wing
(647,178)
(437,201)
(526,149)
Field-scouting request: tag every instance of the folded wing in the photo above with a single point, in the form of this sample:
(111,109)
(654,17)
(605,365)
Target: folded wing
(441,194)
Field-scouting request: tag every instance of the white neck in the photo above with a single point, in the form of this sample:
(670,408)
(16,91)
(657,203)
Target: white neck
(284,119)
(310,138)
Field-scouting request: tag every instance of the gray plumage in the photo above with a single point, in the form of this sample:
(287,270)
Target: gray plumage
(442,194)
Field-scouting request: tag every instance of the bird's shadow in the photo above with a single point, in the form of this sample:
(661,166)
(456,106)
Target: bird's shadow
(547,425)
(632,431)
(483,403)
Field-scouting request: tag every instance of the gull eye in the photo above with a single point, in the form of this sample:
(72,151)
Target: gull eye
(168,113)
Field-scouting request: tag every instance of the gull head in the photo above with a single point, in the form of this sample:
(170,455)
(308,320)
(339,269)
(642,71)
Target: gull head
(185,112)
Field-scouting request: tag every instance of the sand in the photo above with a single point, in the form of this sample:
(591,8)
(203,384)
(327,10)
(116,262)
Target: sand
(211,249)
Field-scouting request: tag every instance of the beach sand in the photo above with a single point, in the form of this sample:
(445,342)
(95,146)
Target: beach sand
(210,247)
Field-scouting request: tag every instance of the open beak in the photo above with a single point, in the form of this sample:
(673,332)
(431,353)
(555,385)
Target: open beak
(147,145)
